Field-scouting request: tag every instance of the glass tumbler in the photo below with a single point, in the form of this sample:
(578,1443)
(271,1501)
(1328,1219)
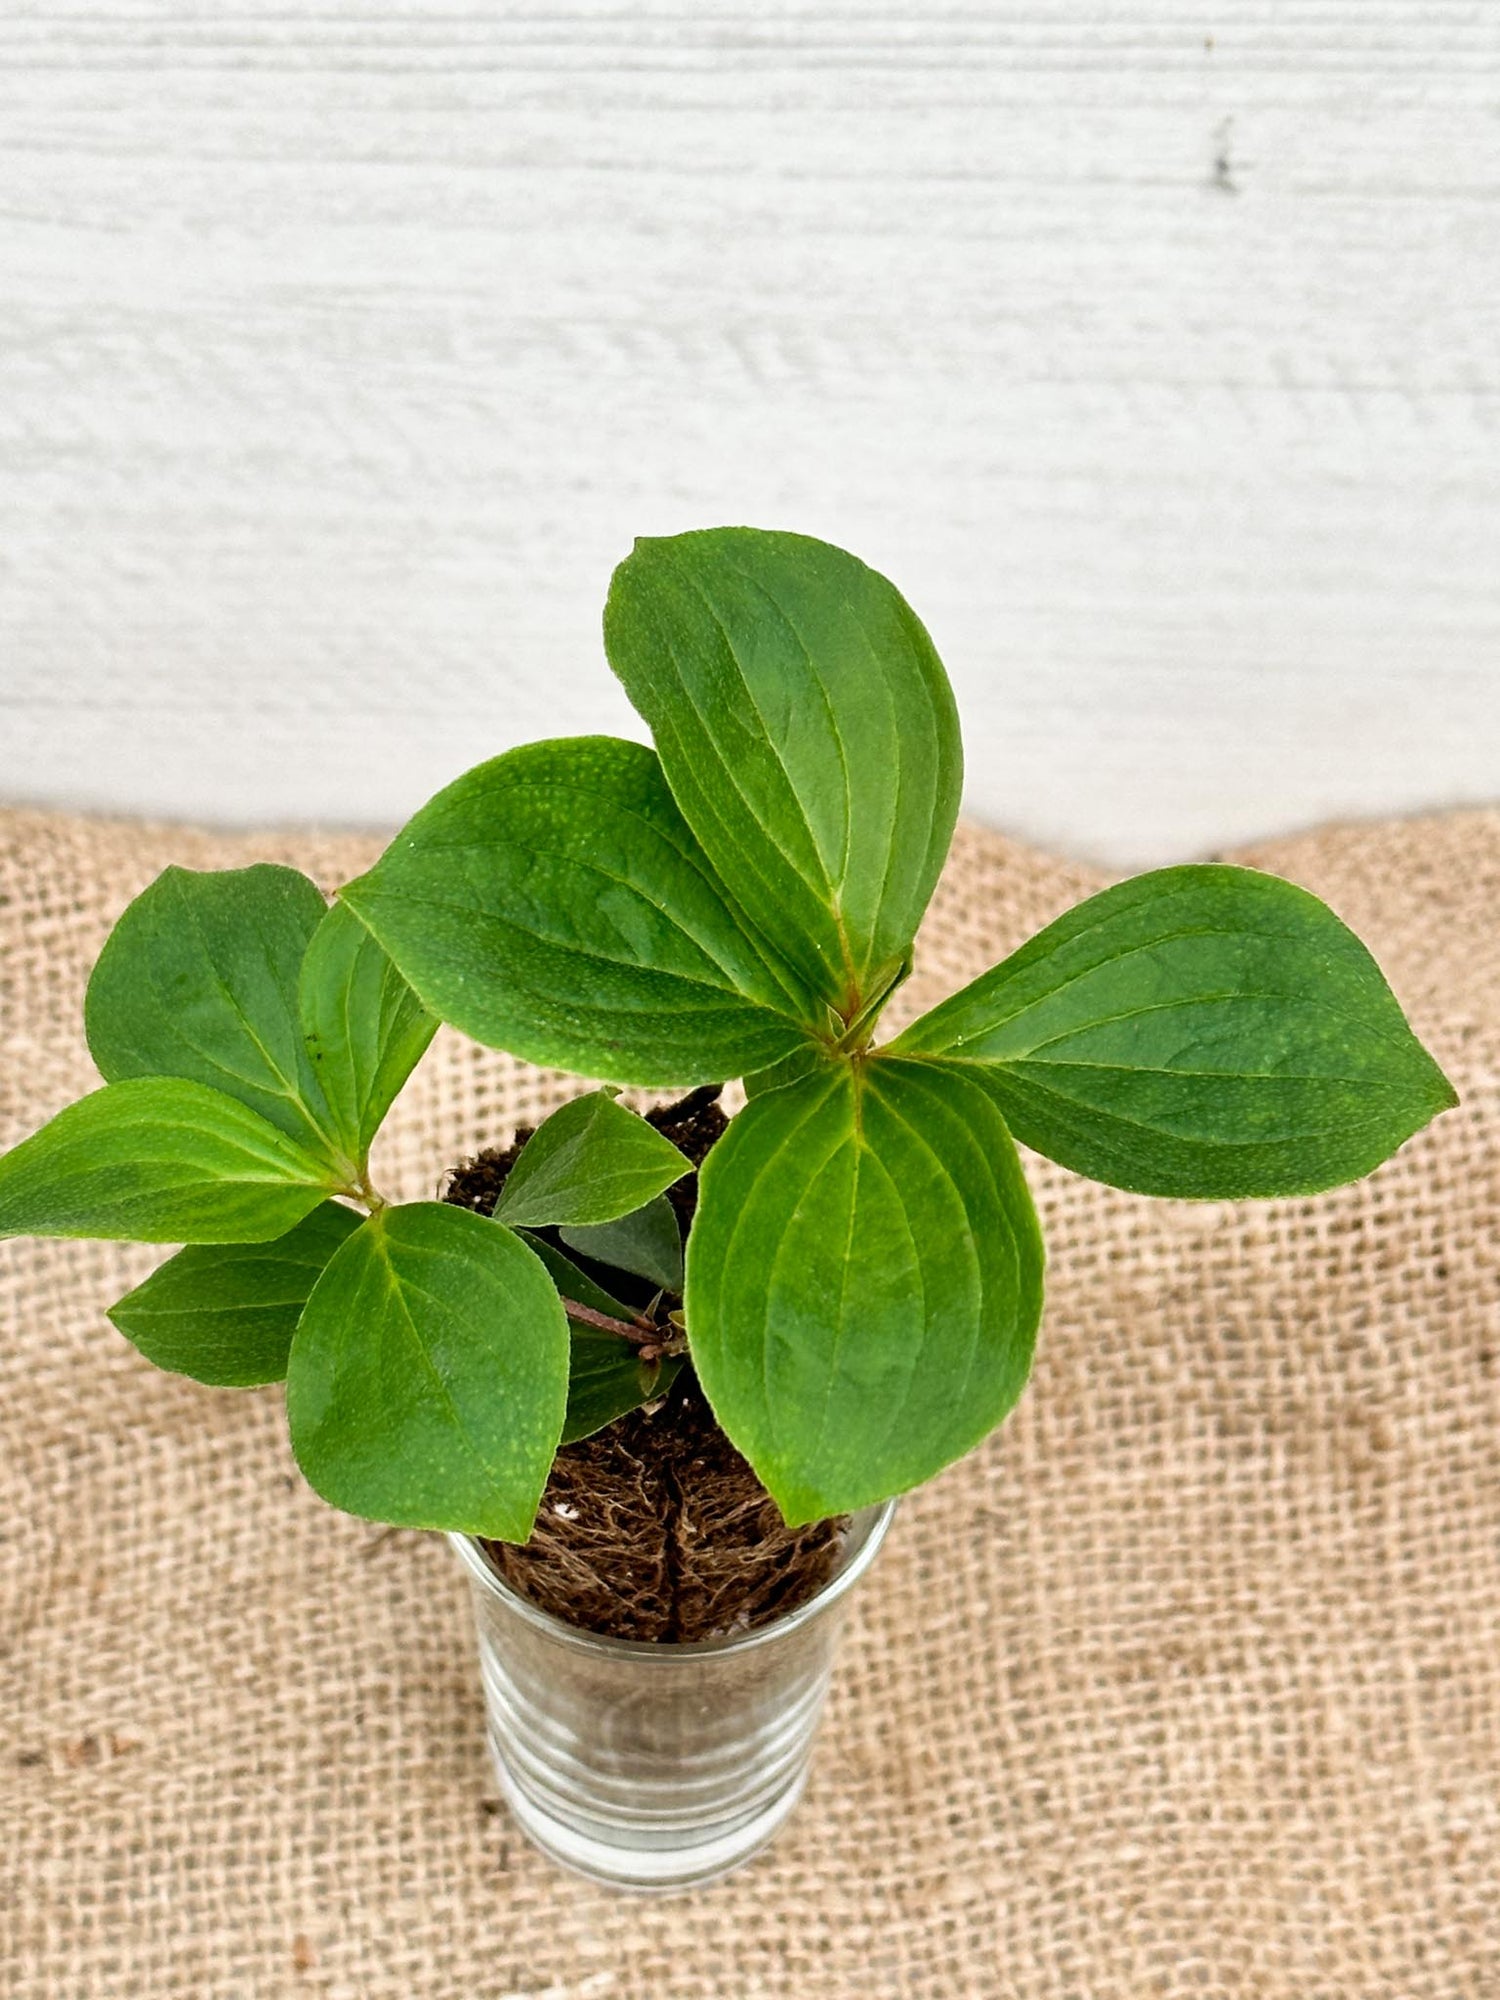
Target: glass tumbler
(656,1765)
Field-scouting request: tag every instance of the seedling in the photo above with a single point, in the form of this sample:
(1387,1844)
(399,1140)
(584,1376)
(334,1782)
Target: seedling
(862,1282)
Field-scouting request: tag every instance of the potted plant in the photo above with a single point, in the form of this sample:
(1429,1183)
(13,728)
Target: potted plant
(660,1377)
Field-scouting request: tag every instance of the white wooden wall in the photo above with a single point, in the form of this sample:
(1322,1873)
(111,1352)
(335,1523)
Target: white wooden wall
(1152,348)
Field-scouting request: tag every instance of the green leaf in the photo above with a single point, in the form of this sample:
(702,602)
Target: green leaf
(159,1160)
(225,1313)
(364,1028)
(591,1161)
(554,903)
(647,1243)
(573,1283)
(198,979)
(808,732)
(791,1069)
(864,1280)
(428,1378)
(606,1376)
(1205,1031)
(607,1379)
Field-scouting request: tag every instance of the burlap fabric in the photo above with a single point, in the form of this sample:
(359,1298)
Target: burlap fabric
(1187,1684)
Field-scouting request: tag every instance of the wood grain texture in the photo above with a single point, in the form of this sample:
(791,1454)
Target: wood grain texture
(1153,349)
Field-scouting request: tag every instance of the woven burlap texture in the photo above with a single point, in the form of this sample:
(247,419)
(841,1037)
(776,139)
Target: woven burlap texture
(1186,1683)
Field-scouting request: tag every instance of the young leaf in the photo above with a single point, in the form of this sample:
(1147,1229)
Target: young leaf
(364,1028)
(1204,1031)
(554,903)
(428,1378)
(802,1062)
(808,732)
(571,1282)
(606,1376)
(198,979)
(606,1379)
(589,1162)
(647,1243)
(225,1313)
(159,1160)
(864,1280)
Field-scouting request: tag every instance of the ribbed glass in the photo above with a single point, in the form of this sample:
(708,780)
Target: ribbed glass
(653,1766)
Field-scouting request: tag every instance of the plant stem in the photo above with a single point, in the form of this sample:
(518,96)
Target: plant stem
(642,1332)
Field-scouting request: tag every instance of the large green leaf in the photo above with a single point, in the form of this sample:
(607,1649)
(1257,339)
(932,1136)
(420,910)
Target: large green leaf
(864,1280)
(808,732)
(647,1243)
(198,979)
(364,1028)
(159,1160)
(554,903)
(1203,1031)
(226,1313)
(589,1162)
(428,1378)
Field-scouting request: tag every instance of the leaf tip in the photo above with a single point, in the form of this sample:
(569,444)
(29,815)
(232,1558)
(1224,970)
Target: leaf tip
(1437,1090)
(797,1503)
(514,1529)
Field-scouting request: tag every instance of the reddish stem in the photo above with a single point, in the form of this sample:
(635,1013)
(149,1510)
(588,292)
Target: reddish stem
(642,1332)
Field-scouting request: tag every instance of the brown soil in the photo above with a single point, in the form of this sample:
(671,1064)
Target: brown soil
(656,1527)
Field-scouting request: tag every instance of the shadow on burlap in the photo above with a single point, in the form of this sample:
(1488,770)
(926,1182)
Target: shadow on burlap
(1185,1684)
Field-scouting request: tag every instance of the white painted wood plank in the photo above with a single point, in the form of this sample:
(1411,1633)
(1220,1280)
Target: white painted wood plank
(1152,350)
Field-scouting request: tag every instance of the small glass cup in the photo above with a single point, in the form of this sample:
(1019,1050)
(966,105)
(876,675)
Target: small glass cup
(656,1765)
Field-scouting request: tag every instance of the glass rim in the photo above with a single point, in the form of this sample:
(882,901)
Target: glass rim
(665,1651)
